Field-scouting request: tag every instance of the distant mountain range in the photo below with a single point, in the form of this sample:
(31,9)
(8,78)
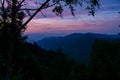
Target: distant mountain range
(77,46)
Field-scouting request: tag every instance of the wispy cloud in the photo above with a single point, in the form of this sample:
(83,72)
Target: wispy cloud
(106,20)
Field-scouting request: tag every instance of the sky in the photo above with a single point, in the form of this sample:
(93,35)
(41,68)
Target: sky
(105,21)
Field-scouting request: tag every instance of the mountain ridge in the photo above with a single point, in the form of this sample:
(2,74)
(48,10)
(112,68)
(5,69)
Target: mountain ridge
(77,46)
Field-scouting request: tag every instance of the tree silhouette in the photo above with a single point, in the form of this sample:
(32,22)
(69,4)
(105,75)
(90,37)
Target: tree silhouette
(12,13)
(104,61)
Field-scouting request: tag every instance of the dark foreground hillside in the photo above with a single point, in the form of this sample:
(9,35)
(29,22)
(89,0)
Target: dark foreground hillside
(30,62)
(104,61)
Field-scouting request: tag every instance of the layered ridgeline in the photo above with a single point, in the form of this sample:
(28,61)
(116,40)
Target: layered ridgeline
(77,46)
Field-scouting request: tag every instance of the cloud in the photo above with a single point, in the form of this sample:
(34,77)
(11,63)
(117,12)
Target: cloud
(84,24)
(106,20)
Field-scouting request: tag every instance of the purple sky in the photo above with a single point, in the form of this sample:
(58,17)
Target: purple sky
(106,21)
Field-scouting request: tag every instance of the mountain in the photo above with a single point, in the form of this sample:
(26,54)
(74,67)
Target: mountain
(77,46)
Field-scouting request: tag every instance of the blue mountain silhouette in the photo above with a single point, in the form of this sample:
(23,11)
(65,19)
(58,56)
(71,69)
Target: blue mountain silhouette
(77,46)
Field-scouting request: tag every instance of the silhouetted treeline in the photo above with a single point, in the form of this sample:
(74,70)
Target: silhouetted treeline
(105,60)
(31,62)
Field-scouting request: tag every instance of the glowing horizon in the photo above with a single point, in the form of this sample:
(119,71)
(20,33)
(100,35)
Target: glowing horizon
(81,23)
(106,21)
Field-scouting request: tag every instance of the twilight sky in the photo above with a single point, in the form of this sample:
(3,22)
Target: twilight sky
(105,21)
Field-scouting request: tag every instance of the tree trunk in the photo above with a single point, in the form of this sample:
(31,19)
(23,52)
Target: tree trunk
(12,40)
(9,61)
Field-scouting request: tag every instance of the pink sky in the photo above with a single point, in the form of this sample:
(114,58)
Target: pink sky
(106,21)
(80,23)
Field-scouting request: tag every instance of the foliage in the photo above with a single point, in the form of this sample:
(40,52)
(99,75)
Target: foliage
(20,60)
(17,10)
(104,62)
(33,63)
(17,57)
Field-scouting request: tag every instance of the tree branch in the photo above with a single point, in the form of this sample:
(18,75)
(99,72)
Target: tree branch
(20,4)
(42,8)
(39,9)
(3,9)
(29,9)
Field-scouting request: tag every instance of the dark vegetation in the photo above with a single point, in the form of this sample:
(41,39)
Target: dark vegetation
(20,60)
(30,62)
(104,61)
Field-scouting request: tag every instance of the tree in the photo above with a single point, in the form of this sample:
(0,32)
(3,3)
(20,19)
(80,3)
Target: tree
(104,60)
(12,25)
(14,11)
